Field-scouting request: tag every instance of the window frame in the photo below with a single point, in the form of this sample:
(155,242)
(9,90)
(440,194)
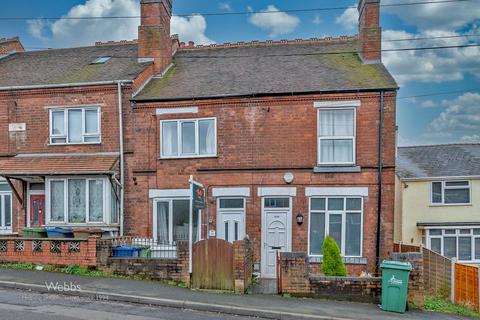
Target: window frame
(84,134)
(197,138)
(444,186)
(456,235)
(170,200)
(107,206)
(353,138)
(327,222)
(3,228)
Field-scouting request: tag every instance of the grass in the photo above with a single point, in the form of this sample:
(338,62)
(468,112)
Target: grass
(441,305)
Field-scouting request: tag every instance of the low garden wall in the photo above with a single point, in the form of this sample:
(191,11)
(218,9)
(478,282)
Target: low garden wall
(58,252)
(294,279)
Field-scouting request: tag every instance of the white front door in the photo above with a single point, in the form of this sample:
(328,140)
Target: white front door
(276,232)
(231,219)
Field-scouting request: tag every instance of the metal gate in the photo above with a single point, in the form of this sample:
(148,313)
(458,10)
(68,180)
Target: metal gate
(212,265)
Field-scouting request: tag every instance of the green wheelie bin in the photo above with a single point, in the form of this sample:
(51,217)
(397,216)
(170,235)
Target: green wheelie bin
(395,285)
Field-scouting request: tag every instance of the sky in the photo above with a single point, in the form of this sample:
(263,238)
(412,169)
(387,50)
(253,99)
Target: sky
(422,118)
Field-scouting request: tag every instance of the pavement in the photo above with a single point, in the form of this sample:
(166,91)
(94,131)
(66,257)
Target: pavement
(157,294)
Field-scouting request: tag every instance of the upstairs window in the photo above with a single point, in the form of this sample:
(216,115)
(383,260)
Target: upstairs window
(188,138)
(75,126)
(450,192)
(336,136)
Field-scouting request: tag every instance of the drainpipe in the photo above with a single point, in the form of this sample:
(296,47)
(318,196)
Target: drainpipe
(122,163)
(380,169)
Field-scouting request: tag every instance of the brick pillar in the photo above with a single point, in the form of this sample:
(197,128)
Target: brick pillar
(416,286)
(294,273)
(242,265)
(104,250)
(183,260)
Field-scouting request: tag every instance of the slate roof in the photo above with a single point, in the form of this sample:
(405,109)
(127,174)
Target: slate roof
(73,65)
(262,68)
(447,160)
(58,165)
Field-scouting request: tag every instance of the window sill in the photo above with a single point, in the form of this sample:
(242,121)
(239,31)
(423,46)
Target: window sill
(74,144)
(346,260)
(451,205)
(336,169)
(188,157)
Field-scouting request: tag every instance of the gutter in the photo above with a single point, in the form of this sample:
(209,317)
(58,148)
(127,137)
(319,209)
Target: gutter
(65,85)
(259,95)
(380,178)
(475,177)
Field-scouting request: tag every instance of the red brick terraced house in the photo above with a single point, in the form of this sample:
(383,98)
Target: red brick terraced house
(293,140)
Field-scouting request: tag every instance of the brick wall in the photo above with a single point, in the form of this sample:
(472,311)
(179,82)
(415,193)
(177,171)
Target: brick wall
(10,45)
(75,251)
(295,280)
(242,265)
(416,286)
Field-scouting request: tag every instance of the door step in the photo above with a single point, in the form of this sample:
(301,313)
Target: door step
(265,286)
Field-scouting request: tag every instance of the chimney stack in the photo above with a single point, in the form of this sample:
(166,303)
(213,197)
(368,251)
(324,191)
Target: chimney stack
(11,45)
(154,42)
(369,31)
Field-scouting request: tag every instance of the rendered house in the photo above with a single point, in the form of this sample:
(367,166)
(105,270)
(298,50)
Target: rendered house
(284,135)
(293,140)
(438,199)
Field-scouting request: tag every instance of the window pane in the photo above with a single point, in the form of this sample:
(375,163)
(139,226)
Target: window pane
(326,151)
(335,203)
(188,137)
(456,183)
(450,231)
(317,232)
(343,123)
(457,195)
(1,218)
(59,140)
(318,204)
(236,230)
(465,231)
(436,245)
(277,202)
(231,203)
(91,121)
(114,208)
(163,222)
(95,198)
(207,136)
(343,150)
(57,200)
(226,231)
(353,234)
(335,228)
(450,247)
(169,139)
(58,124)
(76,201)
(477,248)
(4,187)
(8,210)
(476,231)
(92,139)
(465,248)
(435,232)
(436,192)
(75,126)
(181,214)
(354,204)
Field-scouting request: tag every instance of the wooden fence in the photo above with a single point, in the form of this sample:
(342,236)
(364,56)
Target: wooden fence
(437,271)
(466,285)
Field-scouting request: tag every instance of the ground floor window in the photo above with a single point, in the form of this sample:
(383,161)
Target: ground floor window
(77,200)
(5,208)
(460,243)
(172,221)
(339,217)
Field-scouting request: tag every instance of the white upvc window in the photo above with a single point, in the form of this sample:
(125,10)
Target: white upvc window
(75,125)
(80,200)
(190,138)
(5,208)
(460,243)
(339,217)
(450,192)
(336,136)
(171,220)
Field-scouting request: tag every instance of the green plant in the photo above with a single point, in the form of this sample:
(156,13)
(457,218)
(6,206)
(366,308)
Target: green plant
(332,264)
(441,305)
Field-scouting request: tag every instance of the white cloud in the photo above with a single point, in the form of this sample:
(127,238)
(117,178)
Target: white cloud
(81,32)
(225,6)
(470,138)
(429,65)
(277,23)
(428,104)
(317,20)
(444,16)
(460,114)
(348,19)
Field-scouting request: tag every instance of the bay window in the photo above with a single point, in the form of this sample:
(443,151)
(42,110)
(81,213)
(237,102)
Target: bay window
(81,201)
(339,217)
(462,243)
(450,192)
(336,136)
(75,125)
(5,208)
(188,138)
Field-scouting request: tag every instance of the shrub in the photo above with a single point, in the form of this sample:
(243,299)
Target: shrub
(332,260)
